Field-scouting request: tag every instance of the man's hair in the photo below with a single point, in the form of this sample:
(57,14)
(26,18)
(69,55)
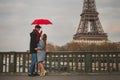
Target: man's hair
(37,26)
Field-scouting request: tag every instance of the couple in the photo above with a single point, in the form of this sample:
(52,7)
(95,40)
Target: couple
(38,51)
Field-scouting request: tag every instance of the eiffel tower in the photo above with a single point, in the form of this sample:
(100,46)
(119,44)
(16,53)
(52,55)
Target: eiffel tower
(90,28)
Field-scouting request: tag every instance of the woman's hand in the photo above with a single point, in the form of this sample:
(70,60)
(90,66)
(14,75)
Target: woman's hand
(38,51)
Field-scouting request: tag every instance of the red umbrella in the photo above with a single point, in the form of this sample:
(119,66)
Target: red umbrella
(41,22)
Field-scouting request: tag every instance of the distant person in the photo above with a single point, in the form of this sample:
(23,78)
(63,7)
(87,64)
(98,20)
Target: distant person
(41,52)
(34,40)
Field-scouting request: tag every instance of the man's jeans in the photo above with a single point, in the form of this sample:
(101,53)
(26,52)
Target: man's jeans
(33,63)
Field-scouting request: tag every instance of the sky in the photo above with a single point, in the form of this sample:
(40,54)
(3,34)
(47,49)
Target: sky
(16,17)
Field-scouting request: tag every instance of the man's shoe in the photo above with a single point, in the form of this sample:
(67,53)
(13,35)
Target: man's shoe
(36,74)
(30,74)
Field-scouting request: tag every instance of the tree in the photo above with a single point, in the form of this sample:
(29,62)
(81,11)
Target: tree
(85,46)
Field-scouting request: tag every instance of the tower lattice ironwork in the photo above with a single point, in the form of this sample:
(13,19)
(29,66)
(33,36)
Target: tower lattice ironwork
(90,27)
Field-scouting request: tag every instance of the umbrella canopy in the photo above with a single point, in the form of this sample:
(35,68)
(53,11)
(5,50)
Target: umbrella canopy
(41,22)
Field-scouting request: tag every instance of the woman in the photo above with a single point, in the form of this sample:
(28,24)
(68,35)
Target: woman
(41,52)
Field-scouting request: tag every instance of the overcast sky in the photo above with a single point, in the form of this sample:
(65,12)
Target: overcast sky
(16,17)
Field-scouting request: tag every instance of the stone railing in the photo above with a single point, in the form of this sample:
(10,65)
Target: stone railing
(81,62)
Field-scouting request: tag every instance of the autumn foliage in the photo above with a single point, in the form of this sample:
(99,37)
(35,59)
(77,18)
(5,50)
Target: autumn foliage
(83,46)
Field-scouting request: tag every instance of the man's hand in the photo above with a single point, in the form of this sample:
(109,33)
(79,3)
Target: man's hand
(36,48)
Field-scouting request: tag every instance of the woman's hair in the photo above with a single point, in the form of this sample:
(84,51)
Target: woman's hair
(44,39)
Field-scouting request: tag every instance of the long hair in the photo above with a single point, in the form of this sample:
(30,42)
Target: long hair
(44,39)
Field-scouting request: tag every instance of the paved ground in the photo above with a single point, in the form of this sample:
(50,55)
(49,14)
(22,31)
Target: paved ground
(72,77)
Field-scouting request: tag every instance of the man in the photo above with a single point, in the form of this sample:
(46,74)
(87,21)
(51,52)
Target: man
(34,39)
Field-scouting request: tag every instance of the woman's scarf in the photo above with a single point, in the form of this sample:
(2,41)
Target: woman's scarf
(38,35)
